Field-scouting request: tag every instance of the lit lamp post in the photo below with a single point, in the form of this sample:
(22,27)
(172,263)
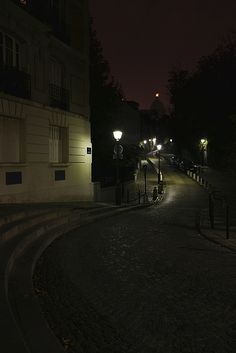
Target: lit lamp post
(145,147)
(118,150)
(145,163)
(159,163)
(203,148)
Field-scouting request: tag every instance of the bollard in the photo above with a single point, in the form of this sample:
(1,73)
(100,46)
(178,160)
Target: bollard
(227,222)
(127,196)
(160,188)
(211,211)
(154,194)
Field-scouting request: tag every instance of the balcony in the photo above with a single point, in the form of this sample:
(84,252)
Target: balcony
(15,82)
(59,97)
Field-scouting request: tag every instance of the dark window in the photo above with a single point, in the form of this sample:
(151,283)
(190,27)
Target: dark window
(55,7)
(89,150)
(17,57)
(1,49)
(9,51)
(60,175)
(13,178)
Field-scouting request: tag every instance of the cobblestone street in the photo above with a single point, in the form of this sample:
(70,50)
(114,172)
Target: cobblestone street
(142,282)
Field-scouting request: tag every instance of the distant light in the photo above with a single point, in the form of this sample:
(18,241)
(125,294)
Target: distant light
(145,141)
(171,140)
(117,135)
(203,143)
(157,94)
(150,140)
(159,147)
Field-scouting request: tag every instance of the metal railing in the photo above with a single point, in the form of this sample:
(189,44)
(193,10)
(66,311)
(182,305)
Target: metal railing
(219,214)
(59,97)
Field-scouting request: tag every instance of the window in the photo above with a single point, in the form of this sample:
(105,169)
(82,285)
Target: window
(58,8)
(59,96)
(1,48)
(10,140)
(58,144)
(56,73)
(9,51)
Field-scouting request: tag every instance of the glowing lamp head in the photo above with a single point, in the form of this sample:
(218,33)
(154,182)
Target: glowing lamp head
(117,135)
(159,147)
(145,141)
(203,141)
(157,94)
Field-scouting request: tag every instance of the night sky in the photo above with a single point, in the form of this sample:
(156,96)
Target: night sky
(144,39)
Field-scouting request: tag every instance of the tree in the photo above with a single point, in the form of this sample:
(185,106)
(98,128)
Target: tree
(105,98)
(203,102)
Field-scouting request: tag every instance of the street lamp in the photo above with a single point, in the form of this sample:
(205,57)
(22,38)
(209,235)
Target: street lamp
(159,163)
(203,148)
(118,150)
(145,164)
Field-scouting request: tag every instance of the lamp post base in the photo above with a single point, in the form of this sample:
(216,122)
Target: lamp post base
(118,194)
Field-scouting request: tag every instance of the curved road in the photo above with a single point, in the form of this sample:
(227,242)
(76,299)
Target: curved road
(142,282)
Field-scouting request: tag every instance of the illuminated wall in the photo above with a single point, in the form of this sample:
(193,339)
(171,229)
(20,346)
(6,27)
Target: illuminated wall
(47,109)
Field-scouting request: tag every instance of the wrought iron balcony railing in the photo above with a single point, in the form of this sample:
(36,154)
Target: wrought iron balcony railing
(15,82)
(59,97)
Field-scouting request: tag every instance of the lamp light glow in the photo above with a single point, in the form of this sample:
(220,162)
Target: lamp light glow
(159,147)
(117,134)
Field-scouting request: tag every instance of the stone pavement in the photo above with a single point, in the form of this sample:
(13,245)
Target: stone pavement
(143,282)
(26,231)
(28,219)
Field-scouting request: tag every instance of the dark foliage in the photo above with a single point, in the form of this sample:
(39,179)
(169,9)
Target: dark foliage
(204,105)
(105,100)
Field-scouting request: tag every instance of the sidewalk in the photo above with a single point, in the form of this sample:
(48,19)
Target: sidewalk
(221,187)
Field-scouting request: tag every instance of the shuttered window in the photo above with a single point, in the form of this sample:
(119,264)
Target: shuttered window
(57,144)
(9,51)
(10,140)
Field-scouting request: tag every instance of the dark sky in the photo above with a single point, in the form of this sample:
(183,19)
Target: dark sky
(144,39)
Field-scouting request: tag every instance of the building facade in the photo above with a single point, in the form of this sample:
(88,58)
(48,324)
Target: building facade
(45,144)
